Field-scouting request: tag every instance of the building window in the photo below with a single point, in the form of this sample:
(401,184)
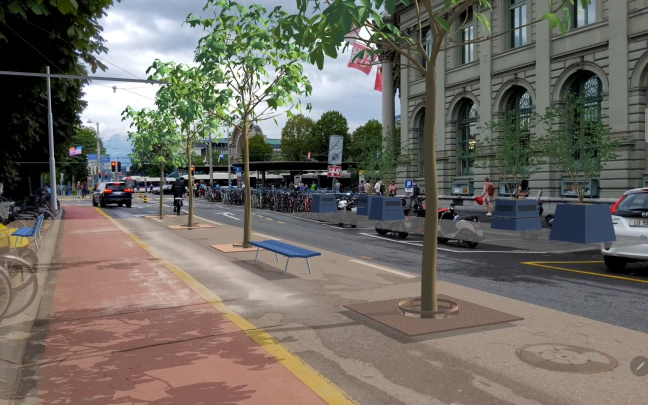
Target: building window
(421,141)
(584,15)
(518,22)
(467,35)
(467,131)
(518,112)
(427,46)
(589,90)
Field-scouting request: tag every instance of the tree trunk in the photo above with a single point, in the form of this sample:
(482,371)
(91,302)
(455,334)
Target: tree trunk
(162,190)
(247,223)
(190,221)
(430,229)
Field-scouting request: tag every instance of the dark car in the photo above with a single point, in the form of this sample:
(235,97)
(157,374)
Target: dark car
(112,193)
(166,189)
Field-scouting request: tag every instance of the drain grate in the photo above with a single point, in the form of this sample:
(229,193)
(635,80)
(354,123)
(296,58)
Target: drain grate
(566,358)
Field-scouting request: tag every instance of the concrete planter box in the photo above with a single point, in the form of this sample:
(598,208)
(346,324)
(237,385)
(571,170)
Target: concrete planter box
(516,215)
(583,223)
(324,203)
(364,203)
(386,209)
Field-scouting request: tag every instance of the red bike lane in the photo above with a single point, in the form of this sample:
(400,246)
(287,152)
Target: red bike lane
(125,329)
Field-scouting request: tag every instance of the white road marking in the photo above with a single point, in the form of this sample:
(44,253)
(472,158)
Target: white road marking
(265,236)
(375,266)
(467,250)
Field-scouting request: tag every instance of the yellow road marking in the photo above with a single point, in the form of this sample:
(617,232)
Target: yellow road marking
(542,264)
(270,219)
(322,386)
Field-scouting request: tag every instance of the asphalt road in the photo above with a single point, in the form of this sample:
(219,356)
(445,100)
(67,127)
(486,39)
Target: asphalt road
(576,283)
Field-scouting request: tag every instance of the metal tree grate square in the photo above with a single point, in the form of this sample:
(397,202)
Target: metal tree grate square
(470,315)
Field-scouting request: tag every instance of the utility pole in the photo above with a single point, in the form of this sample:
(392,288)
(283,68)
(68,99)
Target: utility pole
(211,167)
(98,156)
(50,133)
(229,168)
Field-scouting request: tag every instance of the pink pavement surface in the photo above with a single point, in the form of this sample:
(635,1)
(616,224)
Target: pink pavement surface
(125,330)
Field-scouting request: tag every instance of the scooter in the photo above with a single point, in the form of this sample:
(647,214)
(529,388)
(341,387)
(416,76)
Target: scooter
(177,204)
(348,203)
(549,218)
(466,230)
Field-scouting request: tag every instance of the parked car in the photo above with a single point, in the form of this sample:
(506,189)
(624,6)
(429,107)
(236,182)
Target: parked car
(112,193)
(166,189)
(630,219)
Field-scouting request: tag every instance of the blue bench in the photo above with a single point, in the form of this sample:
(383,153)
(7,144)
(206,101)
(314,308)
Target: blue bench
(285,249)
(27,232)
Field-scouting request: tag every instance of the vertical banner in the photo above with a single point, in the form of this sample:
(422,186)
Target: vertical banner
(379,79)
(362,64)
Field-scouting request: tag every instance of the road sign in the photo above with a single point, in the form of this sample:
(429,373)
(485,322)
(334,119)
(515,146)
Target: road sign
(409,185)
(238,169)
(336,144)
(334,171)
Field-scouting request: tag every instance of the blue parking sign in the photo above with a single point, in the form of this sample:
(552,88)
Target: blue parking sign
(409,185)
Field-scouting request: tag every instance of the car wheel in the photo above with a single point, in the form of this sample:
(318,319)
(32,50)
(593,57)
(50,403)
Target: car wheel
(102,203)
(615,264)
(128,204)
(94,203)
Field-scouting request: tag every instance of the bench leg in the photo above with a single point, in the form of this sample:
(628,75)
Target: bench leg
(36,241)
(286,270)
(309,269)
(276,256)
(257,255)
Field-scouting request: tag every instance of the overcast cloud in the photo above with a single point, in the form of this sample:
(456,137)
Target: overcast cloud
(138,31)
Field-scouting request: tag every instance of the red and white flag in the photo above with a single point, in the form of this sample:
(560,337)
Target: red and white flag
(379,78)
(363,64)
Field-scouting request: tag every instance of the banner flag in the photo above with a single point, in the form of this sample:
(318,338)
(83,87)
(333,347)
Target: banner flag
(379,79)
(362,64)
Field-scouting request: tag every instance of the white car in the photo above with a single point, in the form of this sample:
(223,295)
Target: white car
(630,219)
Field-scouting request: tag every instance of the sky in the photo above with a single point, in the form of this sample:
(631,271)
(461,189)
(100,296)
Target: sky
(139,31)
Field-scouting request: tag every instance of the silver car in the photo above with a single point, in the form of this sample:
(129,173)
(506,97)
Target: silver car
(630,219)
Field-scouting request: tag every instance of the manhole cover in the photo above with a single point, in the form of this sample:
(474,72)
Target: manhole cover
(566,358)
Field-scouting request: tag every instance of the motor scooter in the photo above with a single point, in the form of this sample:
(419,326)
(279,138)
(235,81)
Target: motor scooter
(549,218)
(466,230)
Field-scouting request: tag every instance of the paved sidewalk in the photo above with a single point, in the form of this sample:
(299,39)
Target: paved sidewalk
(122,328)
(139,313)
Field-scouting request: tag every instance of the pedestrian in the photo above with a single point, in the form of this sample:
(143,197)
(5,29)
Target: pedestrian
(84,189)
(523,190)
(314,186)
(393,189)
(378,187)
(336,186)
(78,189)
(489,196)
(202,189)
(416,192)
(367,187)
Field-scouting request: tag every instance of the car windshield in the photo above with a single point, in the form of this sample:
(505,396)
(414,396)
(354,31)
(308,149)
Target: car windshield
(633,204)
(116,186)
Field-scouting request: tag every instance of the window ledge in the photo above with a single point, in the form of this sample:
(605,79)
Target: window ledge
(577,30)
(463,66)
(512,51)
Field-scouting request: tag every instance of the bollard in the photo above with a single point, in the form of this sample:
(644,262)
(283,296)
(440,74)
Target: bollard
(145,199)
(140,195)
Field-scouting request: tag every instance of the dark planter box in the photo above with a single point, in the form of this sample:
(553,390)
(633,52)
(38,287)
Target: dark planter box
(386,209)
(364,203)
(516,215)
(323,203)
(583,223)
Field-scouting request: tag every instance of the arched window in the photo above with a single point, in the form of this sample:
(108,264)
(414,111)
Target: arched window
(421,140)
(588,90)
(466,133)
(518,114)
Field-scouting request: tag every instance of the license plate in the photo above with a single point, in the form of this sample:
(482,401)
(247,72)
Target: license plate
(639,222)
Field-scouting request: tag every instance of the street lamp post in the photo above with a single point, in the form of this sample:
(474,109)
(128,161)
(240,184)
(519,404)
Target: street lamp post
(98,155)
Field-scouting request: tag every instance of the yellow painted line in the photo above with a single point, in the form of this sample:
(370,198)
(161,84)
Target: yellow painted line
(322,386)
(270,219)
(542,264)
(281,222)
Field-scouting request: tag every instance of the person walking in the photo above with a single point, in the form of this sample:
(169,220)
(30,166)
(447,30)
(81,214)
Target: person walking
(378,187)
(367,187)
(488,194)
(78,189)
(523,190)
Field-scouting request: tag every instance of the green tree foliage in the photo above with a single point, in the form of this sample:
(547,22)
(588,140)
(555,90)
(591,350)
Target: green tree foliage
(76,167)
(576,141)
(510,148)
(367,137)
(260,150)
(322,26)
(65,35)
(297,138)
(255,69)
(330,123)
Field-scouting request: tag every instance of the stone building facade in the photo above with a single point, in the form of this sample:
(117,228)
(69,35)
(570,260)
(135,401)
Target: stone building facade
(525,69)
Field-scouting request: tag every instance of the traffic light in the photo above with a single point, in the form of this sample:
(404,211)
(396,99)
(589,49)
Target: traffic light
(119,167)
(193,170)
(113,166)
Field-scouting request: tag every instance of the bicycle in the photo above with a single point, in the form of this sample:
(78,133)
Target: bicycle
(23,284)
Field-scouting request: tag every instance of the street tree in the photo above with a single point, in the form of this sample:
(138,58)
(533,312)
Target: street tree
(76,167)
(576,140)
(297,138)
(65,35)
(330,123)
(257,66)
(186,98)
(156,140)
(323,24)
